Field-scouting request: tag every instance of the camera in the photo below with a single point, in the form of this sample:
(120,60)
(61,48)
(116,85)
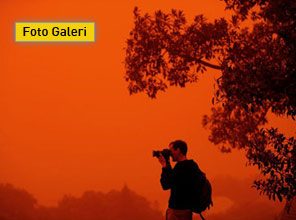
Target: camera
(165,152)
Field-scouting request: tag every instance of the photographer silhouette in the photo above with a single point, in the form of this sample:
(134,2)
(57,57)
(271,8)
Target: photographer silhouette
(181,180)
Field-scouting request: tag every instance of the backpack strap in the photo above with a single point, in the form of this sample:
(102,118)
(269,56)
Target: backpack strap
(202,216)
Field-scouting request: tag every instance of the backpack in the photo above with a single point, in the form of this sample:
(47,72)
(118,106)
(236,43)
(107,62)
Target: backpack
(203,195)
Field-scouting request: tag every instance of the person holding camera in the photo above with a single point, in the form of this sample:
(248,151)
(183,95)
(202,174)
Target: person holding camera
(181,180)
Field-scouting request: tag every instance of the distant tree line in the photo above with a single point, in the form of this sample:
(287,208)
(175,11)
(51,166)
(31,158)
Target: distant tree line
(18,204)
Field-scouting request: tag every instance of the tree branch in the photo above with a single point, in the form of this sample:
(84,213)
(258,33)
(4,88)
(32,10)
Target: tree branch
(209,65)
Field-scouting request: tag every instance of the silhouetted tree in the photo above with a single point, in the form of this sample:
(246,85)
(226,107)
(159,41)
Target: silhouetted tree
(115,205)
(257,76)
(16,204)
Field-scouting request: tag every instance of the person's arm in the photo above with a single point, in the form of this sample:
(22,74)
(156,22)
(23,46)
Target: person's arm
(166,177)
(166,174)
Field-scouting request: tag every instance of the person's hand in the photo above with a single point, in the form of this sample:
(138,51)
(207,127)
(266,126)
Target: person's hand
(161,160)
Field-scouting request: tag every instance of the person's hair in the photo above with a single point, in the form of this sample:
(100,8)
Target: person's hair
(181,145)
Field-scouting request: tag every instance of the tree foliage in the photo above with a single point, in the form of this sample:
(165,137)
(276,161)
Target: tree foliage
(18,204)
(124,205)
(257,67)
(15,203)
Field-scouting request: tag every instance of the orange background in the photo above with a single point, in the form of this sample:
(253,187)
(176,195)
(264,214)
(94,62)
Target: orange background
(67,121)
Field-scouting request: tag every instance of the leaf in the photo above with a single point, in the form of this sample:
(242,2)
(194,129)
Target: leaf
(279,196)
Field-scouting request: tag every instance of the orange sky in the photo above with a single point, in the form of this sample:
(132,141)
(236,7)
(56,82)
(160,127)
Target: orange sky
(67,121)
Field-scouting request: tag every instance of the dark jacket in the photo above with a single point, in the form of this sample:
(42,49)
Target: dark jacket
(183,182)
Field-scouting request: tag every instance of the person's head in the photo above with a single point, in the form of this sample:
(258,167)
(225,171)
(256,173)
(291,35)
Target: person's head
(178,149)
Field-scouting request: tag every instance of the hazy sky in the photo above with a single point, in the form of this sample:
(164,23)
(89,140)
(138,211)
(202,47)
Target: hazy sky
(67,121)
